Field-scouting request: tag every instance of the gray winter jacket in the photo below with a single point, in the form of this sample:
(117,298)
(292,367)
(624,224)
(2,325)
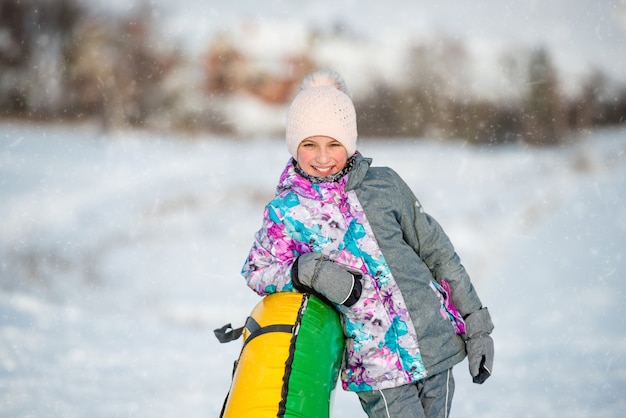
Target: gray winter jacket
(417,251)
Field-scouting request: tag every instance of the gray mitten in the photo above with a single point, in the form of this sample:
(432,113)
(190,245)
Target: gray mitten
(479,344)
(315,273)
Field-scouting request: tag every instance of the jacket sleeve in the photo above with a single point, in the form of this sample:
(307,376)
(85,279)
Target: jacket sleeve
(434,247)
(268,266)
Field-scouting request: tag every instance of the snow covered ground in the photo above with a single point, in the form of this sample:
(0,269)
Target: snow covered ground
(121,253)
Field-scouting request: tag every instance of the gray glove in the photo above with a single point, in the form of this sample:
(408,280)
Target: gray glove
(315,273)
(479,344)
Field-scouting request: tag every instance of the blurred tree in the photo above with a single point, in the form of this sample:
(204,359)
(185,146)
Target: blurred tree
(378,113)
(14,52)
(115,71)
(36,35)
(545,117)
(608,100)
(437,82)
(221,65)
(585,105)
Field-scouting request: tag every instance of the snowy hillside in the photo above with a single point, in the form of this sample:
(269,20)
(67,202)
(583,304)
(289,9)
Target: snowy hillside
(121,253)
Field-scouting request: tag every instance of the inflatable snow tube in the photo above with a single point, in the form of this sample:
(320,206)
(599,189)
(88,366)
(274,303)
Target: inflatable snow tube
(290,360)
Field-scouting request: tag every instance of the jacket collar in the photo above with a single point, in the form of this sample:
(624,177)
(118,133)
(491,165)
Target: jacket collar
(291,180)
(356,176)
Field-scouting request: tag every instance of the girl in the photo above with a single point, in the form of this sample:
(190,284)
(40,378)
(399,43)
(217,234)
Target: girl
(356,236)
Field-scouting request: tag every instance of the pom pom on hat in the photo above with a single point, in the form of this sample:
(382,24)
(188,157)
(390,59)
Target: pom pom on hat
(323,78)
(322,108)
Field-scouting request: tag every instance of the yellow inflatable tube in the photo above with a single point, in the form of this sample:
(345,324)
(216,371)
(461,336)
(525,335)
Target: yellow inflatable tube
(290,360)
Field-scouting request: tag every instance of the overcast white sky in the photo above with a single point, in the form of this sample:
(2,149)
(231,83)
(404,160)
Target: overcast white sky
(580,32)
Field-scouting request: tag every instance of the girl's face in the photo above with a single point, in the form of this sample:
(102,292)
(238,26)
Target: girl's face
(321,156)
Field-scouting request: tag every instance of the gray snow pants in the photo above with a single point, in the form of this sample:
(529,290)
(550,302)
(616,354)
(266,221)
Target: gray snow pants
(428,398)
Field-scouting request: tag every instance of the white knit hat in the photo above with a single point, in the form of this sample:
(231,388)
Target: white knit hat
(322,108)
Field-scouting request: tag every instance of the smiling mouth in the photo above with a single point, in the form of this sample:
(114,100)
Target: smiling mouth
(324,170)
